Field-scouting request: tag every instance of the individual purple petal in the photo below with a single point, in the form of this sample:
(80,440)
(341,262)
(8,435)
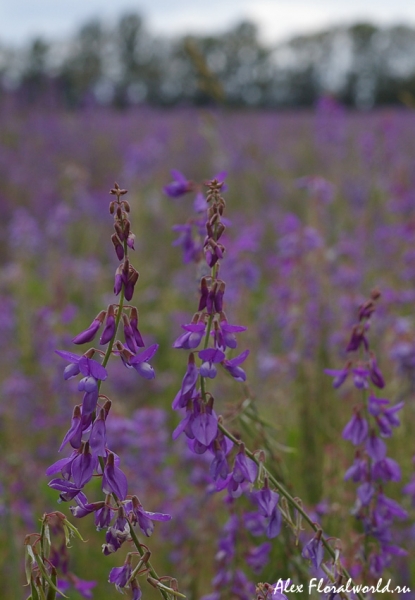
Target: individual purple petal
(375,447)
(145,355)
(314,551)
(120,575)
(356,430)
(205,428)
(228,332)
(244,469)
(74,434)
(387,470)
(213,355)
(365,493)
(88,334)
(97,437)
(360,376)
(88,385)
(109,330)
(67,489)
(61,464)
(192,338)
(375,373)
(232,366)
(69,356)
(114,480)
(83,468)
(92,368)
(274,524)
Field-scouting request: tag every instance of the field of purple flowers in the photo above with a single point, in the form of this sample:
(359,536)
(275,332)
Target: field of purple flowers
(294,460)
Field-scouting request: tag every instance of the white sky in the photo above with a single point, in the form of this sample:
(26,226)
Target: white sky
(21,20)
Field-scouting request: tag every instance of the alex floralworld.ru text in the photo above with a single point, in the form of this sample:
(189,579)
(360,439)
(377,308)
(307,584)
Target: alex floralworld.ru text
(321,586)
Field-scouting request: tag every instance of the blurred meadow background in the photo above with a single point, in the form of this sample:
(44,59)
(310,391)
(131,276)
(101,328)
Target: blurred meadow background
(316,132)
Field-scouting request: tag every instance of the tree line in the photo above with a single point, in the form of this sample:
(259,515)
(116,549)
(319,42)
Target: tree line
(124,64)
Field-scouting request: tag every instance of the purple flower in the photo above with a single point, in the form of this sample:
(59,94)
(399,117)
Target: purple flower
(210,356)
(188,384)
(88,334)
(74,433)
(365,493)
(67,489)
(314,550)
(375,373)
(219,467)
(205,426)
(375,447)
(244,468)
(191,247)
(339,375)
(225,335)
(114,480)
(179,186)
(97,437)
(82,364)
(192,338)
(258,557)
(121,575)
(144,518)
(140,362)
(232,366)
(356,429)
(360,376)
(83,467)
(267,502)
(358,471)
(387,470)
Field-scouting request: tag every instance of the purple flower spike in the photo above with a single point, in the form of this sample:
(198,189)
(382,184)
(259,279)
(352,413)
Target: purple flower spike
(114,480)
(233,366)
(140,362)
(179,186)
(314,551)
(88,334)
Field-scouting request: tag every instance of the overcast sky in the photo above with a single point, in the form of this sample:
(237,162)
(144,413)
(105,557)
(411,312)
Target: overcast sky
(21,20)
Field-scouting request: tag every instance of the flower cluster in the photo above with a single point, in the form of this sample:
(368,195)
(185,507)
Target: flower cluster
(210,338)
(90,455)
(373,420)
(210,329)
